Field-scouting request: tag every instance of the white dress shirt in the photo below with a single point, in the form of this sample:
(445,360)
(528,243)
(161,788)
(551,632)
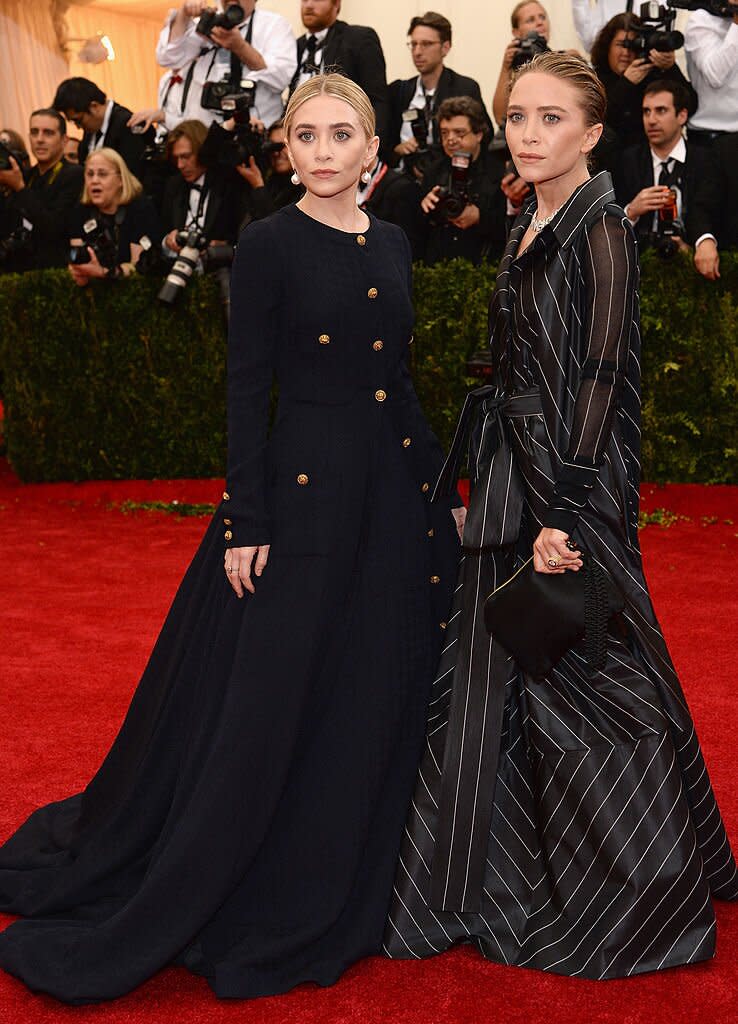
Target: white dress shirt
(98,139)
(318,58)
(711,45)
(589,19)
(272,37)
(418,102)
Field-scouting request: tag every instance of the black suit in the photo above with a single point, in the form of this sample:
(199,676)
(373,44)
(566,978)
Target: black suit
(724,162)
(225,204)
(120,138)
(401,92)
(396,198)
(47,202)
(700,196)
(356,52)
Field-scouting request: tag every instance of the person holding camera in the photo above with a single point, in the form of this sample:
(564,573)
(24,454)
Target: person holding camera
(414,102)
(625,70)
(711,45)
(103,121)
(43,199)
(273,187)
(531,29)
(666,185)
(113,217)
(238,44)
(462,200)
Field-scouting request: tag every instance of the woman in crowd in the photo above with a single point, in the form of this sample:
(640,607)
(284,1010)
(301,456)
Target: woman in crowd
(247,820)
(625,77)
(526,17)
(112,218)
(564,822)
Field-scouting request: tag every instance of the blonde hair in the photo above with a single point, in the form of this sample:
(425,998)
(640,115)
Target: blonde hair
(340,87)
(131,187)
(578,73)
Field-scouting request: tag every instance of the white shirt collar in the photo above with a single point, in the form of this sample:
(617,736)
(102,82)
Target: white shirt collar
(679,152)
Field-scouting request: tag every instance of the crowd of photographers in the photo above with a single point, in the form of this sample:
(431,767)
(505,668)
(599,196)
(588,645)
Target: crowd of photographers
(165,191)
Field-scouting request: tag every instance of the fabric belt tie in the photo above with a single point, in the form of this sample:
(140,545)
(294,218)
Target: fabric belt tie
(472,749)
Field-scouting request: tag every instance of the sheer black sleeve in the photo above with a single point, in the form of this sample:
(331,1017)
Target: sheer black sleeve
(610,268)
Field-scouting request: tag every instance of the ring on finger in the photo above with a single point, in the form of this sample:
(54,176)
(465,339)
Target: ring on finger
(552,563)
(229,569)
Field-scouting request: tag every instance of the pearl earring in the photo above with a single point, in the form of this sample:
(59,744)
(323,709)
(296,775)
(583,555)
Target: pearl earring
(295,179)
(366,177)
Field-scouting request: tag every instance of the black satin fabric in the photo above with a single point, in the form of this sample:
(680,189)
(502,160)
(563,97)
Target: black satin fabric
(568,823)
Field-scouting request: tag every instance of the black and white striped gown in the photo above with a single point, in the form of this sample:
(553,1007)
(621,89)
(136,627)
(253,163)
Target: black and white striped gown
(567,824)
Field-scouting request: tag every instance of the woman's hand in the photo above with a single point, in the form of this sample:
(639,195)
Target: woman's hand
(238,565)
(251,172)
(83,272)
(637,71)
(459,515)
(662,59)
(551,555)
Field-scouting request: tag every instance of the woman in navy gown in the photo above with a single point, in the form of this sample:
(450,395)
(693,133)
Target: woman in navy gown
(247,819)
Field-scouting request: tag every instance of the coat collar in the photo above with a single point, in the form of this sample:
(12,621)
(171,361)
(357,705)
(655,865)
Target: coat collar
(592,195)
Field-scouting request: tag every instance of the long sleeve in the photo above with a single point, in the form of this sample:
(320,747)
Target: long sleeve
(256,300)
(610,268)
(175,53)
(589,20)
(277,45)
(713,54)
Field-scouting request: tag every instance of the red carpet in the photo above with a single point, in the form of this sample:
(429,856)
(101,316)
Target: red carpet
(85,588)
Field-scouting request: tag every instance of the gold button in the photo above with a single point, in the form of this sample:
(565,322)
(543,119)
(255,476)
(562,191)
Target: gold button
(226,496)
(406,442)
(361,240)
(435,579)
(228,522)
(431,532)
(302,479)
(378,345)
(442,625)
(325,339)
(380,395)
(228,535)
(372,293)
(425,487)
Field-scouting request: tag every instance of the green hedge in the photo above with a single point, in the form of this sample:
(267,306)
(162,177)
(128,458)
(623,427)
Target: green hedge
(102,382)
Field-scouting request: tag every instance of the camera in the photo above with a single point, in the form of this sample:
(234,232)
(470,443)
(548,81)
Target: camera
(245,141)
(528,48)
(156,151)
(210,18)
(717,8)
(656,32)
(18,241)
(452,201)
(669,229)
(419,126)
(99,238)
(194,249)
(151,262)
(6,152)
(227,98)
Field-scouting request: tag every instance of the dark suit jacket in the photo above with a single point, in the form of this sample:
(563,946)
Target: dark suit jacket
(401,91)
(47,202)
(397,199)
(356,52)
(225,209)
(120,138)
(634,171)
(723,163)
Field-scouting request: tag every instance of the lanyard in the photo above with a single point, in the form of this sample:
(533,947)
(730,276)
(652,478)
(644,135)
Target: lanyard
(214,49)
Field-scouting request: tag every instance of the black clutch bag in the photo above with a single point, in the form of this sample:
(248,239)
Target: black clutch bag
(537,617)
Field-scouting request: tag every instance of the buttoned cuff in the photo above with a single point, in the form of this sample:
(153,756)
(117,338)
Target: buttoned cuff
(561,519)
(704,238)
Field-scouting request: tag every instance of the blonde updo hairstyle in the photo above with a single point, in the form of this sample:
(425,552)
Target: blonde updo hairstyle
(341,88)
(578,73)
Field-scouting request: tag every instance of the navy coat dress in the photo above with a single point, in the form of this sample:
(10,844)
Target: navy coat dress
(247,820)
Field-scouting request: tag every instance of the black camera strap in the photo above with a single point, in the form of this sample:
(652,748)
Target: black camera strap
(236,65)
(199,218)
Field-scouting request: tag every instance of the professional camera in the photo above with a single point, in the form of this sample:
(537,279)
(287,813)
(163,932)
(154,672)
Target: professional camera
(210,18)
(151,262)
(227,98)
(528,48)
(6,152)
(452,201)
(244,142)
(717,8)
(669,229)
(100,239)
(18,241)
(156,151)
(418,122)
(656,32)
(194,249)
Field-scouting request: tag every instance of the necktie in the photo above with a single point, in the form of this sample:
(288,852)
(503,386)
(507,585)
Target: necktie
(174,79)
(664,175)
(311,46)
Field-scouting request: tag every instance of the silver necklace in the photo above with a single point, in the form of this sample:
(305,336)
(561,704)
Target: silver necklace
(539,225)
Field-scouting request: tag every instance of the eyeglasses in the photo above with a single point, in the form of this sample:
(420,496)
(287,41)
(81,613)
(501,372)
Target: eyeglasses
(455,133)
(424,44)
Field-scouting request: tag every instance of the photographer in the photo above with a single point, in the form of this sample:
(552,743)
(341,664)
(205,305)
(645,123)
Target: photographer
(530,23)
(204,196)
(666,185)
(44,198)
(113,217)
(271,189)
(393,196)
(104,122)
(241,43)
(462,201)
(414,102)
(711,45)
(625,72)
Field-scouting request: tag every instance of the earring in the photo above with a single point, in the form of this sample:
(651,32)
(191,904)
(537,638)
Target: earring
(295,179)
(366,177)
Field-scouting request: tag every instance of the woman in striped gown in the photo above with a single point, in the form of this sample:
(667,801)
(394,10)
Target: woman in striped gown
(568,823)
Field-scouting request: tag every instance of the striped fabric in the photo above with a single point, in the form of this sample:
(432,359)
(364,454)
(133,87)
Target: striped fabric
(593,845)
